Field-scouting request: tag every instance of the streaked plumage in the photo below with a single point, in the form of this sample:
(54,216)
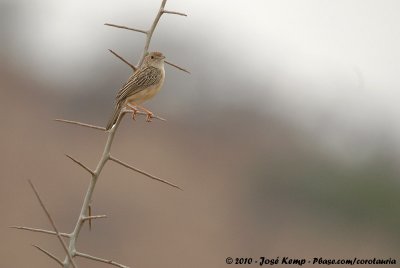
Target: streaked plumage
(142,85)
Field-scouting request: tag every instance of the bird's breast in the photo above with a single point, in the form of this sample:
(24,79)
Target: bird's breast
(147,93)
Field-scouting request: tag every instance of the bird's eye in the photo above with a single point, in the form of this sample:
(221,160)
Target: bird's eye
(152,57)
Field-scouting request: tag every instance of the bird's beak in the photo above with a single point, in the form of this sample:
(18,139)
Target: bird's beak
(162,57)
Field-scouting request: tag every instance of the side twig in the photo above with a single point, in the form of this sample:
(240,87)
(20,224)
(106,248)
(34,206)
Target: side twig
(94,217)
(175,13)
(80,124)
(87,256)
(80,164)
(35,230)
(69,255)
(126,28)
(176,66)
(143,172)
(134,68)
(49,255)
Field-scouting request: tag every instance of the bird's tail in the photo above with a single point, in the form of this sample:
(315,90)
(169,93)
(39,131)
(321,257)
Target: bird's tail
(114,117)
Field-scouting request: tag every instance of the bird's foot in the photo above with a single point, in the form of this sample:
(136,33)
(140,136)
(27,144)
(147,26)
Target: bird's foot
(134,111)
(149,116)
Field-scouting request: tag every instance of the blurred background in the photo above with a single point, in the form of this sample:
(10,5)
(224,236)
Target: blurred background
(285,137)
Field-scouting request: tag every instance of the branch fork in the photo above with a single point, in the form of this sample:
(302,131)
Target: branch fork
(149,34)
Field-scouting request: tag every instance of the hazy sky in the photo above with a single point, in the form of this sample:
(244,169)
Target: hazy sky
(334,60)
(340,34)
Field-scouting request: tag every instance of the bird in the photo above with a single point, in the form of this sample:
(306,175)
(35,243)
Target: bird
(142,85)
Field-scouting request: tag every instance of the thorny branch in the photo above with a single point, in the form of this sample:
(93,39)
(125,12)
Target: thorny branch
(149,34)
(84,214)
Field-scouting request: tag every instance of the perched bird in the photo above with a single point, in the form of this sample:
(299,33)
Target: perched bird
(143,84)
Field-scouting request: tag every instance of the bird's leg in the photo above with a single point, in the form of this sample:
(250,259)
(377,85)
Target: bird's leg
(134,109)
(148,112)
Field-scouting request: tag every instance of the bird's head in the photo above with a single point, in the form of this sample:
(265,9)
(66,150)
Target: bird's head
(155,59)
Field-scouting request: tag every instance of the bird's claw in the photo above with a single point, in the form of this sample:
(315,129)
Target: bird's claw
(134,113)
(149,117)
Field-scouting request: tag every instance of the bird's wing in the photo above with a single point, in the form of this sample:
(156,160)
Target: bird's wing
(140,80)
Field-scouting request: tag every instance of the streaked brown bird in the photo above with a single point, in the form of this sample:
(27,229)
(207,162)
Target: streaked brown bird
(143,84)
